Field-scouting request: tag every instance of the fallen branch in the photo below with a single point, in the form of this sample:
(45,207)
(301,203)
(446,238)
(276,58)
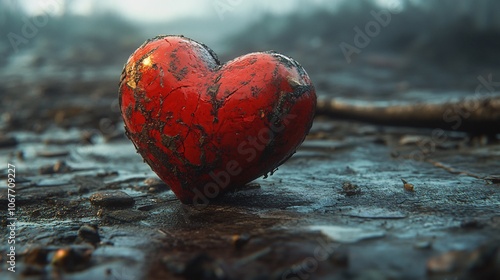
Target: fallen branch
(453,170)
(475,116)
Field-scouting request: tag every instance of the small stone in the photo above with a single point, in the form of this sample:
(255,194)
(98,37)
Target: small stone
(240,240)
(111,199)
(70,259)
(89,233)
(153,182)
(155,185)
(350,189)
(153,190)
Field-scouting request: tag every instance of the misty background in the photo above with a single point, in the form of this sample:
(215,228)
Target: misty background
(426,50)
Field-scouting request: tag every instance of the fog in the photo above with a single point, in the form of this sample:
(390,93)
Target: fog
(96,37)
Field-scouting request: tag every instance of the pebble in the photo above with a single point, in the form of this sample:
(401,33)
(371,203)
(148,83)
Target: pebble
(111,199)
(153,182)
(155,185)
(240,240)
(350,189)
(71,259)
(89,233)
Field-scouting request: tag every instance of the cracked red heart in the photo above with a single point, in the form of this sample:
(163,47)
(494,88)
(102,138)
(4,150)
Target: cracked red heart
(205,127)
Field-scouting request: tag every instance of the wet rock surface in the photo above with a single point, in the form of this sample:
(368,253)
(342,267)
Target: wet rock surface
(99,218)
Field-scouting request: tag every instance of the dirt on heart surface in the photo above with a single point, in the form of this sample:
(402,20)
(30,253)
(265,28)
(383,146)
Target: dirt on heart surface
(356,201)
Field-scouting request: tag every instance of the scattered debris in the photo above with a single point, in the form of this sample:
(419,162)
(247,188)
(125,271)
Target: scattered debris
(407,186)
(155,185)
(350,189)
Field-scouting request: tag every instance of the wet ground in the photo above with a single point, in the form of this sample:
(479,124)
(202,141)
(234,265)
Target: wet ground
(357,201)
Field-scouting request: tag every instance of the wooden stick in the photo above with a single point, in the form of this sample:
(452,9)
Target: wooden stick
(475,116)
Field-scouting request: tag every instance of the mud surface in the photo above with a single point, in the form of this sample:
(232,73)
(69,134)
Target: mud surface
(88,207)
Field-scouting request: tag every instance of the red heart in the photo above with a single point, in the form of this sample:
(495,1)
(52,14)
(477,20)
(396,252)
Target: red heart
(205,128)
